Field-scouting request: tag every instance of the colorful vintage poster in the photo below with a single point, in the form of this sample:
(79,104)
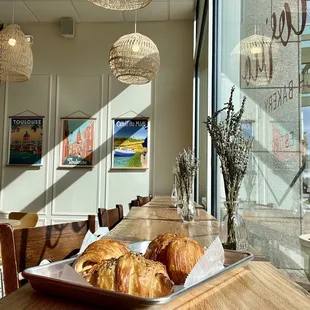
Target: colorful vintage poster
(25,140)
(130,143)
(77,143)
(247,128)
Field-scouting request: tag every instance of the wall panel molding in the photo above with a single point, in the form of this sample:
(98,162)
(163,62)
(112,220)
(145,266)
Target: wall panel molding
(56,143)
(153,136)
(63,105)
(101,184)
(5,140)
(11,107)
(109,132)
(47,147)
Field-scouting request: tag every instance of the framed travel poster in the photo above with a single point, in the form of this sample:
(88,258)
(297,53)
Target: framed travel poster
(247,128)
(130,147)
(77,142)
(25,140)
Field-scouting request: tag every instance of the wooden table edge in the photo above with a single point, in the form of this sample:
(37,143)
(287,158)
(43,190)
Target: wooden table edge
(167,220)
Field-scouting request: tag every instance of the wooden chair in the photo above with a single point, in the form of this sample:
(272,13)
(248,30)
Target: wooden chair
(110,218)
(27,247)
(133,203)
(143,200)
(27,219)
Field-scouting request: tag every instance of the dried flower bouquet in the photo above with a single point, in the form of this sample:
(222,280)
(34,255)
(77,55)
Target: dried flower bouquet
(233,149)
(185,170)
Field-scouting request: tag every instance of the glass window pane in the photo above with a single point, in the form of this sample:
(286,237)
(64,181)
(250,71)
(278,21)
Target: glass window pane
(202,148)
(269,64)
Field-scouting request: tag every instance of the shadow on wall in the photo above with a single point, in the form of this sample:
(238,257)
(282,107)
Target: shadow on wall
(73,175)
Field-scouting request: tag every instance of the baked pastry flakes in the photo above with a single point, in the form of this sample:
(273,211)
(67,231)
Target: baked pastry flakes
(98,251)
(177,252)
(132,274)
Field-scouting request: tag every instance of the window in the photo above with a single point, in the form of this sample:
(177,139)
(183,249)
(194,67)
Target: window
(270,67)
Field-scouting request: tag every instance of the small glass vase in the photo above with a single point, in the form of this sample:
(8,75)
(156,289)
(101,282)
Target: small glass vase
(233,232)
(188,210)
(180,199)
(174,194)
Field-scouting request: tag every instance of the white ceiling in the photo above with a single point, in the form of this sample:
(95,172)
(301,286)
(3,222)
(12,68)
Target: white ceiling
(44,11)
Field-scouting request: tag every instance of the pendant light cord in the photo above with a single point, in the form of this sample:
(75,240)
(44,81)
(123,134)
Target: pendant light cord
(13,17)
(135,21)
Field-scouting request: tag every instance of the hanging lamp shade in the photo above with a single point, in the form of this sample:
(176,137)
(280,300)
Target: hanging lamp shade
(121,5)
(134,59)
(258,49)
(252,45)
(16,59)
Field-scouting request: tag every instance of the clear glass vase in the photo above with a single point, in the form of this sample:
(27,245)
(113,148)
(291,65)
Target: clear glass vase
(233,232)
(174,194)
(188,210)
(180,199)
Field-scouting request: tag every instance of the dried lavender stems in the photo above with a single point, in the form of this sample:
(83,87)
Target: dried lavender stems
(185,170)
(232,147)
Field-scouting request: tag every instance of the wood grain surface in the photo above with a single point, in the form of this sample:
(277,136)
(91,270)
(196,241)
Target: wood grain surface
(165,202)
(258,286)
(144,229)
(164,214)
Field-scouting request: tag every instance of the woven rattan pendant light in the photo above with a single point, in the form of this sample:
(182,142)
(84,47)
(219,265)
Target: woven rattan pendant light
(121,5)
(16,59)
(134,58)
(252,45)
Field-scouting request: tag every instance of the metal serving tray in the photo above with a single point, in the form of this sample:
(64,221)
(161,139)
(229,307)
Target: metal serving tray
(46,278)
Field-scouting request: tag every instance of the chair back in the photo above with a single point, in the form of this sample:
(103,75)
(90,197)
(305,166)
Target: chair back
(111,217)
(27,219)
(143,200)
(27,247)
(133,203)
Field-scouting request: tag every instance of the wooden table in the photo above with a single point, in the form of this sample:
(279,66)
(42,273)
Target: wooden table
(165,202)
(258,286)
(167,214)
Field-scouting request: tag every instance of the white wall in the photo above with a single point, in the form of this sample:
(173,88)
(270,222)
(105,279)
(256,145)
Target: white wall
(74,74)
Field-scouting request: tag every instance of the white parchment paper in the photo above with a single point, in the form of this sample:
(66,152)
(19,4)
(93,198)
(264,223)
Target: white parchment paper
(208,265)
(69,273)
(90,237)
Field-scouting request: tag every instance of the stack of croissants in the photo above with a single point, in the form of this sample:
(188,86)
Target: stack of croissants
(110,265)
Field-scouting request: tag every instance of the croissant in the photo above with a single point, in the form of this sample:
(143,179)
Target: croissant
(98,251)
(177,252)
(132,274)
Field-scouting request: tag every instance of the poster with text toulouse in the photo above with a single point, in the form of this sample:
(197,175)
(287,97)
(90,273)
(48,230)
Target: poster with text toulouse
(25,141)
(130,146)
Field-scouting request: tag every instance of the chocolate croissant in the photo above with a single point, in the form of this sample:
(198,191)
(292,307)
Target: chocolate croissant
(132,274)
(97,252)
(177,252)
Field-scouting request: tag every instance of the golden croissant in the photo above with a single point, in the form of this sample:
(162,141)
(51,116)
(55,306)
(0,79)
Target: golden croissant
(132,274)
(97,252)
(177,252)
